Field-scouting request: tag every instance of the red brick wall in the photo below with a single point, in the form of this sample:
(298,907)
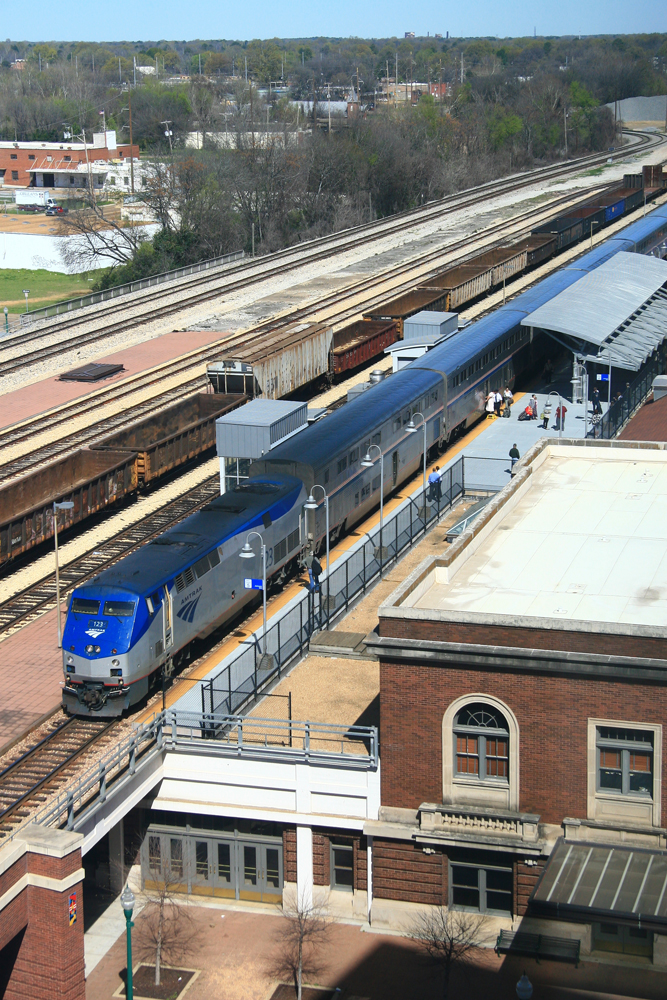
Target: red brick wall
(525,880)
(49,959)
(552,713)
(289,853)
(401,870)
(23,163)
(526,638)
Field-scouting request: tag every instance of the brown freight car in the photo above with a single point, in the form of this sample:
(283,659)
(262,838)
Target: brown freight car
(175,435)
(90,479)
(538,247)
(461,284)
(360,342)
(406,305)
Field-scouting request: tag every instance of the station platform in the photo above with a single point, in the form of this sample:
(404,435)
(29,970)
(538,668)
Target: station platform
(40,397)
(30,662)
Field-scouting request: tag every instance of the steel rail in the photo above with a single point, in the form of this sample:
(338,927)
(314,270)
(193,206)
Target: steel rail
(305,253)
(27,775)
(45,421)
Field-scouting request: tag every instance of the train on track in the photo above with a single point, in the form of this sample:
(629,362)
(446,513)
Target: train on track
(135,620)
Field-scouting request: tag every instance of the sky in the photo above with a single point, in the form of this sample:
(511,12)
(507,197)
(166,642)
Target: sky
(143,20)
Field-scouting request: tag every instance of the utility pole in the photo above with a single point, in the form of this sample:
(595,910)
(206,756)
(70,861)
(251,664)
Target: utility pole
(168,133)
(565,127)
(396,84)
(129,104)
(134,69)
(329,106)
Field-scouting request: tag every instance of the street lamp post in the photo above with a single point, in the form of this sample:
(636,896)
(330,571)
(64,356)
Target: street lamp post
(127,902)
(311,504)
(368,463)
(248,553)
(65,505)
(26,292)
(412,429)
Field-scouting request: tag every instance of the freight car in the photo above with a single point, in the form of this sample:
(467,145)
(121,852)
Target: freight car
(125,625)
(360,342)
(111,469)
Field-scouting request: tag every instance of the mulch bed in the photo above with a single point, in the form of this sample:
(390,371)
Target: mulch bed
(172,983)
(287,992)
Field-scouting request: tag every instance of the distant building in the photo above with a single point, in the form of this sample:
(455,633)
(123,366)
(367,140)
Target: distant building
(409,34)
(60,164)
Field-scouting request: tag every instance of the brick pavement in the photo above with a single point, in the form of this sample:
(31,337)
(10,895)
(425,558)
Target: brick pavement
(38,397)
(30,676)
(236,951)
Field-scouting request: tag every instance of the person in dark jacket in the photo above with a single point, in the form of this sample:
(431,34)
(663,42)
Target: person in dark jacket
(316,571)
(515,454)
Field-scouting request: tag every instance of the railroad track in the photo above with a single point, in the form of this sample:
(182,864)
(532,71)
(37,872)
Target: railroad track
(24,607)
(25,782)
(194,290)
(265,336)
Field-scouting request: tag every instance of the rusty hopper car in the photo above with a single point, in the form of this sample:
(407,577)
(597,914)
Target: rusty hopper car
(565,229)
(406,305)
(504,262)
(173,436)
(288,358)
(461,284)
(538,247)
(90,479)
(360,342)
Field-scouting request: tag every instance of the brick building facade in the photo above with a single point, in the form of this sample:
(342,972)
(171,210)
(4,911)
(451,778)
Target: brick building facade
(41,919)
(50,164)
(504,736)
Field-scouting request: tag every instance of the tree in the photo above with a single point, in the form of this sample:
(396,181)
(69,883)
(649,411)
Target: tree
(166,929)
(92,236)
(304,929)
(448,938)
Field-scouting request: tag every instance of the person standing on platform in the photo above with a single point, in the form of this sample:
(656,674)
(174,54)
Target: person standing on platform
(546,414)
(316,570)
(497,402)
(534,405)
(491,404)
(309,566)
(560,416)
(509,399)
(435,485)
(515,454)
(597,407)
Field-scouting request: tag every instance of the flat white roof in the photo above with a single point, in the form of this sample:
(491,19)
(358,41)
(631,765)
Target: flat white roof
(584,540)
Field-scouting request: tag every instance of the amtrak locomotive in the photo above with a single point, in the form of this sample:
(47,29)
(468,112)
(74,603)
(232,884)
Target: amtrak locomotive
(130,621)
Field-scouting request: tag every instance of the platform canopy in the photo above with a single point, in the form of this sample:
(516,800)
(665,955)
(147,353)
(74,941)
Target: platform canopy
(604,882)
(616,314)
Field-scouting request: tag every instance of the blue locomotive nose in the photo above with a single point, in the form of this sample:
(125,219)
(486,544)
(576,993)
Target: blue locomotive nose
(99,626)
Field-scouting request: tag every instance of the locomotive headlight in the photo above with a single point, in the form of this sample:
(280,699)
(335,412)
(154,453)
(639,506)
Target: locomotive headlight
(115,663)
(98,649)
(70,659)
(90,649)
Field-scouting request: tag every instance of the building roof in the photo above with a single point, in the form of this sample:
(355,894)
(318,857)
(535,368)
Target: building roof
(649,423)
(616,313)
(577,541)
(623,884)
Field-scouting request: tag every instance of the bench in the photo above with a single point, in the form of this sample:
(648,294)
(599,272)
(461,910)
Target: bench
(538,946)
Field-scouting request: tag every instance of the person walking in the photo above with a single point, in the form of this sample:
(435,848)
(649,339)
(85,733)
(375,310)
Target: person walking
(509,399)
(597,406)
(560,416)
(435,487)
(309,566)
(498,402)
(316,572)
(546,414)
(534,405)
(515,455)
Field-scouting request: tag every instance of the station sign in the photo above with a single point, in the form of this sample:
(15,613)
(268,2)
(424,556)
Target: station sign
(603,378)
(252,584)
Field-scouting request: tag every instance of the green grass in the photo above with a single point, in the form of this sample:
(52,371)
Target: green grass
(45,287)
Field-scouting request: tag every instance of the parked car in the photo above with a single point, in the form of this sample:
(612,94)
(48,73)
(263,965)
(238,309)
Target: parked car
(57,210)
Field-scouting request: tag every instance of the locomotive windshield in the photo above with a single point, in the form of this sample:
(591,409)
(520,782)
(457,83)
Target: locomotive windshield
(84,606)
(120,609)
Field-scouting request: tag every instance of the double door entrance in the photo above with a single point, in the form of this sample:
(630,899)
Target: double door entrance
(212,866)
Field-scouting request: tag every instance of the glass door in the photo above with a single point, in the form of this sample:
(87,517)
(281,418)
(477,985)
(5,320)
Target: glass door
(224,875)
(260,872)
(202,858)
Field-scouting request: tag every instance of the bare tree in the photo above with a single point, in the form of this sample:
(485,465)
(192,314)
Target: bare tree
(167,929)
(448,937)
(303,930)
(92,236)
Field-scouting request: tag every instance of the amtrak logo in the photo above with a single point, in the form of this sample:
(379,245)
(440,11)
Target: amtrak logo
(94,632)
(187,612)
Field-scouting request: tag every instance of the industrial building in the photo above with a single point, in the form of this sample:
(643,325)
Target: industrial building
(62,164)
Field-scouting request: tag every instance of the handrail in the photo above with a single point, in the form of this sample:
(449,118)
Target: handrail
(131,286)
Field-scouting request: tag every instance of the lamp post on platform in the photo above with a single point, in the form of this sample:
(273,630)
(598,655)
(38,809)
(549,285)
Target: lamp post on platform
(249,553)
(368,463)
(412,429)
(127,902)
(312,504)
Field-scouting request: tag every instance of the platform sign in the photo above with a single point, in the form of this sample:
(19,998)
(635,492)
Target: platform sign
(252,584)
(603,378)
(72,908)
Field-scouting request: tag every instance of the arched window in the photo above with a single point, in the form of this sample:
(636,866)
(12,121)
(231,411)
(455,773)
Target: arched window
(481,744)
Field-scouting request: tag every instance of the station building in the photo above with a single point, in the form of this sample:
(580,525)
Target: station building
(523,687)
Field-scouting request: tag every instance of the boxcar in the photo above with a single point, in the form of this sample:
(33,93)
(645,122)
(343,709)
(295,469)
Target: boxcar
(361,341)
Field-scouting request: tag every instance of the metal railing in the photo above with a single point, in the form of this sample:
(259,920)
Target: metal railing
(132,286)
(620,411)
(242,680)
(226,735)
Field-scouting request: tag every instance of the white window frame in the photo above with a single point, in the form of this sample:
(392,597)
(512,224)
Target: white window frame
(609,806)
(458,789)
